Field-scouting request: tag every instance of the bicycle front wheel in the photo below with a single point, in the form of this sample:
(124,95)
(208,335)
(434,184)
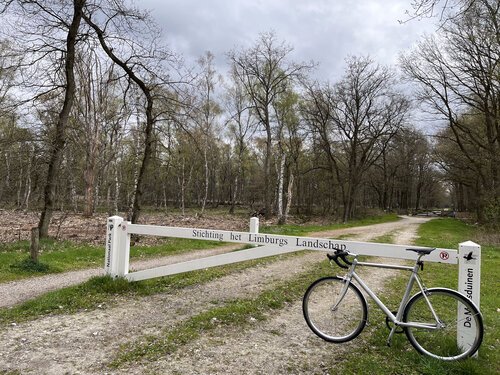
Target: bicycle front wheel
(456,334)
(334,309)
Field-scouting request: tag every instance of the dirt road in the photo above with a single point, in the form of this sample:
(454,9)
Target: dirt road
(83,343)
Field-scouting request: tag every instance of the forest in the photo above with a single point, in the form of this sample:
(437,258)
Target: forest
(97,115)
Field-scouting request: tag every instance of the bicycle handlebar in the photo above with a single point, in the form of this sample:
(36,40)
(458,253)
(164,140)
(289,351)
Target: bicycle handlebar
(342,254)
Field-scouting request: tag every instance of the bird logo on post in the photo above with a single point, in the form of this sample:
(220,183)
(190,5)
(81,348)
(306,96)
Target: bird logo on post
(469,256)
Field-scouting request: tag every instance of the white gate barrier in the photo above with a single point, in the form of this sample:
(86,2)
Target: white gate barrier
(117,257)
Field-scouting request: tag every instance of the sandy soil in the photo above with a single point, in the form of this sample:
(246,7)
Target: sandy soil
(83,343)
(16,225)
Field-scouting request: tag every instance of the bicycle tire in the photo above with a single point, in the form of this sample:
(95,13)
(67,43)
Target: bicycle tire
(443,343)
(342,324)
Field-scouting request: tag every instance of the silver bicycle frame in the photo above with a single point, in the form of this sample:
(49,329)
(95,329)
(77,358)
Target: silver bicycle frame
(396,319)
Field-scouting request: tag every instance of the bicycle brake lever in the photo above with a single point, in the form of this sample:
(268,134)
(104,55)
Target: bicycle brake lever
(346,261)
(335,259)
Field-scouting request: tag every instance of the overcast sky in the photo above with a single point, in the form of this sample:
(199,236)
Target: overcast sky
(326,31)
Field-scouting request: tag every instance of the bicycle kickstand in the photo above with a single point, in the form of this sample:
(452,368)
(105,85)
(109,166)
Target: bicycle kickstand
(389,339)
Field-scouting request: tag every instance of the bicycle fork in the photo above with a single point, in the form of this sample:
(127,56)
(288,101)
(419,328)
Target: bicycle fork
(342,294)
(347,280)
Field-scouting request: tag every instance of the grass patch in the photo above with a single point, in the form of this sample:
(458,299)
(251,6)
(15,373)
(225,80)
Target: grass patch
(95,293)
(373,356)
(386,238)
(30,266)
(445,232)
(172,246)
(61,256)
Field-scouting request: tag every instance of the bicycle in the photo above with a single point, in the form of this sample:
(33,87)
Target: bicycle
(336,310)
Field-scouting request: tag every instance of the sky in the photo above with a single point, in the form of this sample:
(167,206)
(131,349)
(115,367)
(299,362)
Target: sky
(325,31)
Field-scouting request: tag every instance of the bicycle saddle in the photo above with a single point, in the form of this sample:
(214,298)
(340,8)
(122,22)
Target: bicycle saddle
(421,250)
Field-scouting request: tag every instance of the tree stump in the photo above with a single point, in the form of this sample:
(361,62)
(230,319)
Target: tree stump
(35,244)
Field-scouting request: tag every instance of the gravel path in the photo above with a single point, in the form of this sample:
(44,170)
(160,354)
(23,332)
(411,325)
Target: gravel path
(404,230)
(84,342)
(15,292)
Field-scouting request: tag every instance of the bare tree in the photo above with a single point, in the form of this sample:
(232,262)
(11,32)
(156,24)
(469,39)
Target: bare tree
(143,62)
(288,146)
(458,78)
(368,112)
(9,138)
(203,115)
(354,121)
(444,9)
(241,127)
(50,19)
(317,111)
(8,64)
(265,72)
(458,171)
(99,116)
(404,174)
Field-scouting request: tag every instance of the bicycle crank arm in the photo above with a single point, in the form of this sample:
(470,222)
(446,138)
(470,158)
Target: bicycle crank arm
(389,339)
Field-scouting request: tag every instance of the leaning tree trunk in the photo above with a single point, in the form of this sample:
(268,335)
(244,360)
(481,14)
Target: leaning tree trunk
(148,131)
(146,159)
(60,130)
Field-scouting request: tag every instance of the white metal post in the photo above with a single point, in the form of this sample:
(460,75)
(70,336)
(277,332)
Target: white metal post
(469,283)
(254,225)
(112,245)
(124,251)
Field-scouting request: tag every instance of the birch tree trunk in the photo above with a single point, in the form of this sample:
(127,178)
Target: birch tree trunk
(19,183)
(27,190)
(117,188)
(289,197)
(235,194)
(281,172)
(205,160)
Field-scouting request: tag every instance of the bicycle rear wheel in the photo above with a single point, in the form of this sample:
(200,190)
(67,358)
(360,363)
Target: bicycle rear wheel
(445,341)
(334,311)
